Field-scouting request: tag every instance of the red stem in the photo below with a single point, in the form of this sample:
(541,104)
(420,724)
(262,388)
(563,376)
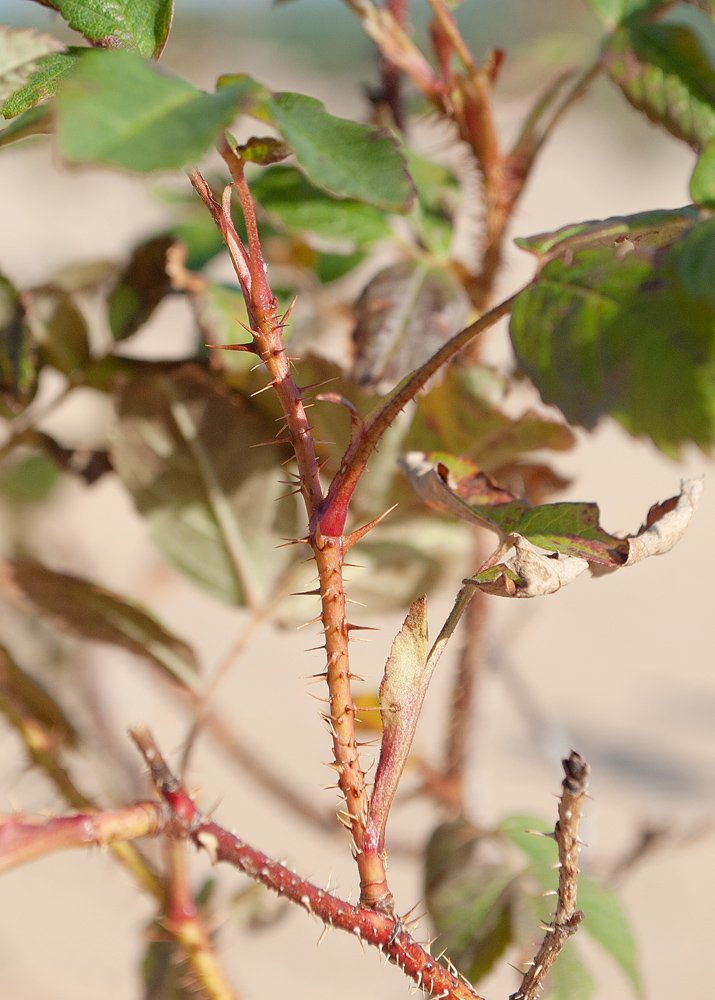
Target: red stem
(335,506)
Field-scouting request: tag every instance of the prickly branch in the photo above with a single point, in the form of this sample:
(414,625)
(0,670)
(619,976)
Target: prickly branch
(567,918)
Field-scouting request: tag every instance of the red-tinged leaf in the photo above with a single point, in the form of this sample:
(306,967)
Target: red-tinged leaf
(405,313)
(58,327)
(21,696)
(456,487)
(402,692)
(92,612)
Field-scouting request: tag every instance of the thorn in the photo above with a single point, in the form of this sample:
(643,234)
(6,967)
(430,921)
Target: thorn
(355,536)
(256,367)
(267,444)
(551,892)
(286,495)
(306,593)
(316,385)
(312,649)
(349,600)
(311,622)
(259,391)
(294,541)
(359,628)
(250,348)
(323,934)
(540,833)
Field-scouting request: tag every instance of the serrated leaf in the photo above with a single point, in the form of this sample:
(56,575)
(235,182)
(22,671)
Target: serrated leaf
(21,693)
(438,197)
(606,922)
(142,25)
(651,229)
(459,416)
(569,978)
(21,49)
(43,83)
(35,121)
(402,691)
(346,158)
(93,612)
(294,204)
(404,314)
(664,72)
(141,286)
(619,334)
(153,121)
(58,327)
(183,448)
(18,373)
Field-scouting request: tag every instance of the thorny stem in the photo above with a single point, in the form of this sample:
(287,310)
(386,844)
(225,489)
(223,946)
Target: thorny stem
(378,929)
(567,918)
(327,543)
(359,451)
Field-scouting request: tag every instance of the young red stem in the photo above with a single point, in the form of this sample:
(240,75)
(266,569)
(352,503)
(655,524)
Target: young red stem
(24,838)
(355,458)
(327,545)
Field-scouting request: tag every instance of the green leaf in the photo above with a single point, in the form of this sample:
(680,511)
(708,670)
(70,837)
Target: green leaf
(664,72)
(606,922)
(468,897)
(696,262)
(343,157)
(569,978)
(459,416)
(92,612)
(183,448)
(404,314)
(438,197)
(702,183)
(620,335)
(142,285)
(614,11)
(35,121)
(44,82)
(264,150)
(142,25)
(620,233)
(18,372)
(22,696)
(21,50)
(31,480)
(541,852)
(153,121)
(294,204)
(58,327)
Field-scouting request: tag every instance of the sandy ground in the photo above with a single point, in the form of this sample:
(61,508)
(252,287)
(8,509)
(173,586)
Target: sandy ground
(619,668)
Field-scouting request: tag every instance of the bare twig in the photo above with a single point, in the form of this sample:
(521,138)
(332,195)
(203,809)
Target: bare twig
(567,917)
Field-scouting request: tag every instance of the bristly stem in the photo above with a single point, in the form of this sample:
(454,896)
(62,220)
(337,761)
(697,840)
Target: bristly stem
(327,544)
(567,918)
(378,929)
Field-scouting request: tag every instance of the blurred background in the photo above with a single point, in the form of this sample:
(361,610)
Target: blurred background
(619,668)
